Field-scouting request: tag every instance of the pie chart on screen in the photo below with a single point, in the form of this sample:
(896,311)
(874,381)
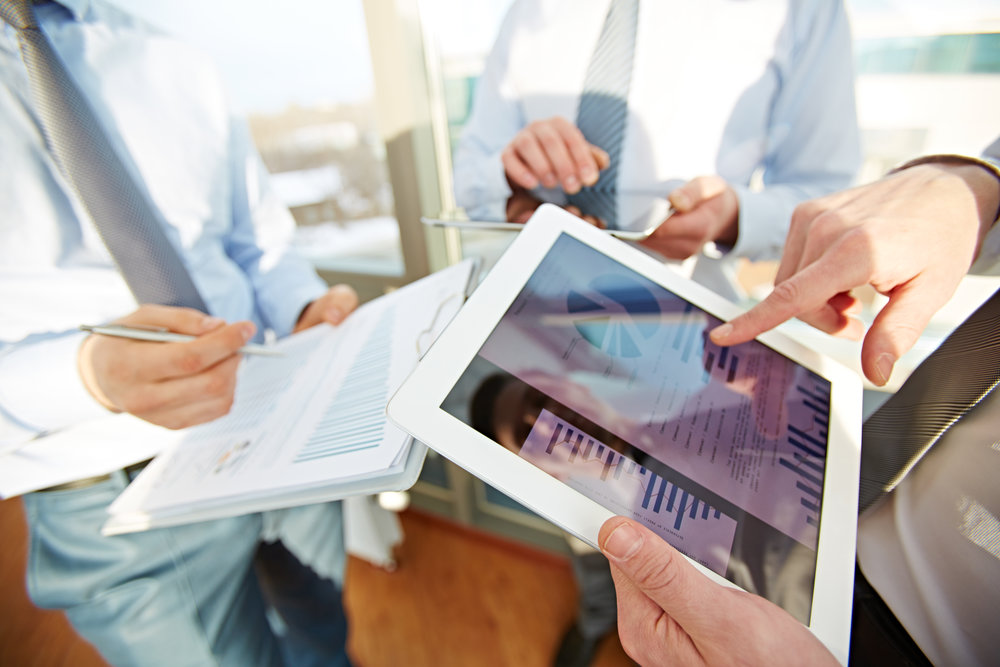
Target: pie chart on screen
(616,315)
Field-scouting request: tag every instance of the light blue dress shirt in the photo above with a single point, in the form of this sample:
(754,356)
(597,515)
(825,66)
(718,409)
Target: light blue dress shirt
(759,92)
(202,170)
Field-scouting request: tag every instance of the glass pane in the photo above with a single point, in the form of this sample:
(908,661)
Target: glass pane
(302,76)
(461,35)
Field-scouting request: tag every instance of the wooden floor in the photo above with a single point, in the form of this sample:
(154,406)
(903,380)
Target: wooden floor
(458,597)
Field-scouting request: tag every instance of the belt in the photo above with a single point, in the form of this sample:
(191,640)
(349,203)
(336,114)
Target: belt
(131,471)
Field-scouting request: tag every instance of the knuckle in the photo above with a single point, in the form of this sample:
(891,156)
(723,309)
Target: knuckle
(189,362)
(903,333)
(221,383)
(140,402)
(786,292)
(807,211)
(657,575)
(215,385)
(550,143)
(522,141)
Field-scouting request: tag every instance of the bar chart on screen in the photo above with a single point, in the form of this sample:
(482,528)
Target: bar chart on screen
(625,486)
(807,455)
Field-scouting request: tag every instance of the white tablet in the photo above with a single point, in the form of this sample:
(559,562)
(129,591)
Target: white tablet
(579,379)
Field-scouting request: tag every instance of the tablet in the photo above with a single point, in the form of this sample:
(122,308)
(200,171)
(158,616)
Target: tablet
(628,216)
(579,379)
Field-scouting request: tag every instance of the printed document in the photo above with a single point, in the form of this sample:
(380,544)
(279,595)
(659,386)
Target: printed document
(307,426)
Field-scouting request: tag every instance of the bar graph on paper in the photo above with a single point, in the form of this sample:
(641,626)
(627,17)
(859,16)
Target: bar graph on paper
(354,419)
(626,487)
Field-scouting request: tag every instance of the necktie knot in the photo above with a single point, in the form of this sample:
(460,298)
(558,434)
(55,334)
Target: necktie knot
(18,14)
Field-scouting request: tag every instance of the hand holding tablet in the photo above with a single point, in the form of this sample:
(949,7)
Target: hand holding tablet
(598,392)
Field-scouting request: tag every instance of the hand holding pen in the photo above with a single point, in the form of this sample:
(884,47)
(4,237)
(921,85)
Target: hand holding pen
(171,384)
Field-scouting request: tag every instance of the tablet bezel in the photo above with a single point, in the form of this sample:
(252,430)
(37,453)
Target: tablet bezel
(416,408)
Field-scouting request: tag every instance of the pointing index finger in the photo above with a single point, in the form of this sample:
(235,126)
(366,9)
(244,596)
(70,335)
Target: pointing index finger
(803,292)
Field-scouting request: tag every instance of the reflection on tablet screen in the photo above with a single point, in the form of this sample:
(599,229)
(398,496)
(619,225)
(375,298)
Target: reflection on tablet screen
(608,382)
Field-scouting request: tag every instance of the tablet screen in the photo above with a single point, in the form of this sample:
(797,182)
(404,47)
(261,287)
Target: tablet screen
(608,382)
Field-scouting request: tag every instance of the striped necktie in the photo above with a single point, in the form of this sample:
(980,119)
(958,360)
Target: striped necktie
(123,212)
(949,383)
(603,109)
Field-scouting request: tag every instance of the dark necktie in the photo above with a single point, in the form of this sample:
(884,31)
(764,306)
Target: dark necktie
(949,383)
(603,109)
(129,223)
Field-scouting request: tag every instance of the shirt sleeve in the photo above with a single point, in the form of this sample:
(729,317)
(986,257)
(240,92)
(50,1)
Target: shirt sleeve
(988,262)
(813,145)
(40,388)
(283,281)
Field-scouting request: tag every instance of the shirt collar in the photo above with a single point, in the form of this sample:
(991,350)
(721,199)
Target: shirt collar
(77,7)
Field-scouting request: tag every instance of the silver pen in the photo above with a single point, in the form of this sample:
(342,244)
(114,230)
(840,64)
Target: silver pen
(161,335)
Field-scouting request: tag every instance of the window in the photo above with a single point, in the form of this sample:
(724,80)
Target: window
(931,54)
(303,78)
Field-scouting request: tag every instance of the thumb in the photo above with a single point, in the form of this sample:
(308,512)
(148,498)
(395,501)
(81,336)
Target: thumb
(335,305)
(690,195)
(896,329)
(660,572)
(600,156)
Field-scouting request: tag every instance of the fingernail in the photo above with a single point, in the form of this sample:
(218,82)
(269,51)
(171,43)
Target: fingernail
(334,315)
(589,175)
(680,201)
(549,180)
(883,368)
(721,332)
(572,186)
(623,542)
(247,331)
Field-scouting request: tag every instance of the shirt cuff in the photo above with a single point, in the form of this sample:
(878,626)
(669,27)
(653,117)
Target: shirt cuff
(485,187)
(761,236)
(41,389)
(287,310)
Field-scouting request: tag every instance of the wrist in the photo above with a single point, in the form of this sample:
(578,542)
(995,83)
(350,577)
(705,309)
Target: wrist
(981,177)
(87,375)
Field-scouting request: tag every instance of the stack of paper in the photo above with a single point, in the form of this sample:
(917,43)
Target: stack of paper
(308,426)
